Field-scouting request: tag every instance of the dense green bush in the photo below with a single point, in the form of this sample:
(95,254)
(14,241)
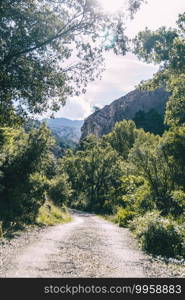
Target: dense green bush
(60,190)
(24,168)
(178,207)
(94,173)
(160,162)
(159,235)
(122,137)
(81,202)
(123,216)
(137,194)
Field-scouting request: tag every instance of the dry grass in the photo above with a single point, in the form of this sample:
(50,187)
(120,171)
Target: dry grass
(50,214)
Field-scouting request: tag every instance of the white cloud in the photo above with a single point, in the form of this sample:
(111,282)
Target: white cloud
(123,73)
(154,14)
(121,76)
(76,109)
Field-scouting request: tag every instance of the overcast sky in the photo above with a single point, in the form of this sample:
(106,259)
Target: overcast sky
(123,73)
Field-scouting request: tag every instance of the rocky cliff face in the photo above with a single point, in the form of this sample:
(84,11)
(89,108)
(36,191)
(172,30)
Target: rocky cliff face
(102,121)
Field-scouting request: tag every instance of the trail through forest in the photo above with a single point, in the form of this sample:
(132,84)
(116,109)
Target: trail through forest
(89,246)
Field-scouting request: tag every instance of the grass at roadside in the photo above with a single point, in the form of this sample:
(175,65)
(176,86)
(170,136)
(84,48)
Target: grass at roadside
(160,266)
(110,218)
(50,214)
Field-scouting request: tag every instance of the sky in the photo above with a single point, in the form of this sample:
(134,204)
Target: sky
(123,73)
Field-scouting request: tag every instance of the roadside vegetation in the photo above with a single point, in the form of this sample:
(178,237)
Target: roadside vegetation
(50,214)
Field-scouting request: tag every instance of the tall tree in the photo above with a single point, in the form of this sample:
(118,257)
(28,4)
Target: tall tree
(94,173)
(50,49)
(24,168)
(166,47)
(122,137)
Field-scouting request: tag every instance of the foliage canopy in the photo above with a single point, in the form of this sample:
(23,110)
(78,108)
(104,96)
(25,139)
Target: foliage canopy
(50,49)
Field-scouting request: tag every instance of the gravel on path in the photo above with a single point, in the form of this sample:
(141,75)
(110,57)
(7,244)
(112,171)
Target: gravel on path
(89,246)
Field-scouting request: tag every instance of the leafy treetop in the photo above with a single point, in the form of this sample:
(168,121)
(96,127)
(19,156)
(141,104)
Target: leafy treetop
(50,49)
(166,47)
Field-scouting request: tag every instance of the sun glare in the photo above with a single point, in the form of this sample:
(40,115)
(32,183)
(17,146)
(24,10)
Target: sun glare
(112,5)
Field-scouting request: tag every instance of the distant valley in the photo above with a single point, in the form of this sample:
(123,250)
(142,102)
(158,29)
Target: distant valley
(67,132)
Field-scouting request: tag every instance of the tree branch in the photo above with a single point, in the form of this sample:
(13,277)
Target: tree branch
(62,32)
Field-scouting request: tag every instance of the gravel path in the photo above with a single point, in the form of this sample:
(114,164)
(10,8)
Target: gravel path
(87,247)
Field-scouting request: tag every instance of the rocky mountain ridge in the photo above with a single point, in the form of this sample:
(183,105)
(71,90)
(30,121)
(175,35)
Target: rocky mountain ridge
(125,108)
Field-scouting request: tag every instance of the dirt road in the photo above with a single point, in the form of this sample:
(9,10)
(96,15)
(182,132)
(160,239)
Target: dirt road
(87,247)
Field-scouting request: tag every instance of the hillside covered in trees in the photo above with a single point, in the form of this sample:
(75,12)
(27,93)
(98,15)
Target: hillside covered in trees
(134,177)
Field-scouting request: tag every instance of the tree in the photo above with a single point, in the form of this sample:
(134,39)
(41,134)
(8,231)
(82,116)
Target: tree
(94,174)
(50,49)
(60,189)
(88,142)
(24,169)
(122,137)
(166,47)
(160,160)
(148,161)
(173,147)
(96,108)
